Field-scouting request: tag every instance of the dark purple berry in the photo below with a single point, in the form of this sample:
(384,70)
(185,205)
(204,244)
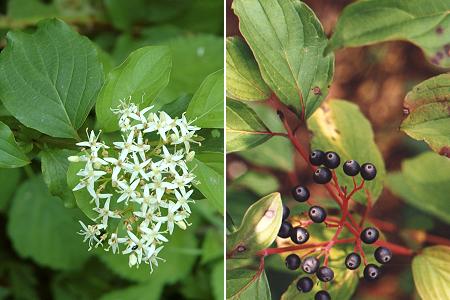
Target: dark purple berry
(369,235)
(371,272)
(322,175)
(285,230)
(286,212)
(317,157)
(322,295)
(310,265)
(300,193)
(325,274)
(292,262)
(299,235)
(332,160)
(317,214)
(305,284)
(368,171)
(351,167)
(383,255)
(352,261)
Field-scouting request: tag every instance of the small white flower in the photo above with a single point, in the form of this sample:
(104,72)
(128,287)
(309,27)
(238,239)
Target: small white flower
(92,142)
(90,233)
(125,146)
(137,168)
(118,165)
(172,217)
(183,200)
(159,185)
(104,213)
(153,258)
(136,247)
(140,147)
(127,191)
(152,234)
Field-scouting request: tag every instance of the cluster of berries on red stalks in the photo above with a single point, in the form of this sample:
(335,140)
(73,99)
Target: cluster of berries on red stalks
(325,163)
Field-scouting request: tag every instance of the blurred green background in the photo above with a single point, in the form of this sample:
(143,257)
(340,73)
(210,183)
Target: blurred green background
(193,29)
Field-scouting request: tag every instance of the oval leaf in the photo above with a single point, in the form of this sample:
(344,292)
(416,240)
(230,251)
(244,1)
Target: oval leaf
(259,227)
(11,156)
(424,23)
(247,284)
(54,165)
(42,229)
(424,177)
(49,79)
(141,76)
(341,127)
(428,109)
(244,128)
(288,42)
(210,183)
(431,273)
(244,81)
(206,106)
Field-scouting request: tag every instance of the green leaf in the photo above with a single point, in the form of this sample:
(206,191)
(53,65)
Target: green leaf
(212,159)
(423,183)
(259,227)
(10,180)
(431,272)
(206,106)
(141,76)
(341,127)
(247,284)
(244,81)
(217,278)
(49,79)
(177,266)
(260,183)
(194,58)
(54,165)
(424,23)
(212,247)
(42,229)
(342,288)
(210,183)
(428,107)
(11,156)
(151,290)
(288,42)
(244,128)
(177,107)
(277,153)
(82,196)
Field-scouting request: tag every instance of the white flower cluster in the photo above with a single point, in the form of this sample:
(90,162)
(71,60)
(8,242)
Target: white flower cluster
(141,186)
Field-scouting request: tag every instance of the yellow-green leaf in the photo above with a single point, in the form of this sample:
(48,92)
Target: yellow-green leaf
(259,227)
(341,127)
(428,113)
(431,272)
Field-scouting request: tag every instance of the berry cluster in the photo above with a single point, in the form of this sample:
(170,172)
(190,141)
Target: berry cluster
(324,163)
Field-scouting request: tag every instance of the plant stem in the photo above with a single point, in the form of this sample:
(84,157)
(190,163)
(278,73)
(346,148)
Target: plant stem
(270,251)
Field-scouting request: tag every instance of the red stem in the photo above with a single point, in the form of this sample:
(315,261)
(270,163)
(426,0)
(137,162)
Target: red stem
(270,251)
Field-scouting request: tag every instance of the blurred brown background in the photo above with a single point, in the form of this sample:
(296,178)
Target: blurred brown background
(377,78)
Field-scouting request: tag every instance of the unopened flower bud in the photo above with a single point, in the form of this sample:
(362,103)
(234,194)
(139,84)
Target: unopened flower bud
(74,158)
